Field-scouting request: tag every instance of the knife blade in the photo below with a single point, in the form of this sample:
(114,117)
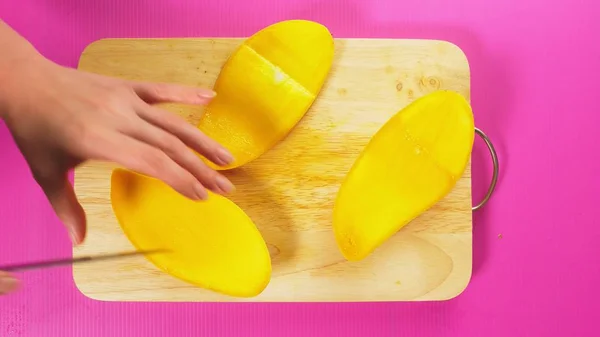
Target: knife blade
(67,261)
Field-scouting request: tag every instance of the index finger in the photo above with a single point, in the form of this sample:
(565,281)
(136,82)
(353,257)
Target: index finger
(153,93)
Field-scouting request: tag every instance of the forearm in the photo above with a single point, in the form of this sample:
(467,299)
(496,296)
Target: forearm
(15,54)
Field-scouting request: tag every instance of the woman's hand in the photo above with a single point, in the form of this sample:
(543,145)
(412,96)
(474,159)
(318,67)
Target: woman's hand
(8,283)
(61,117)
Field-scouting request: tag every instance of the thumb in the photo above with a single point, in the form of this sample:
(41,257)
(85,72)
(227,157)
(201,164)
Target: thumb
(8,283)
(61,195)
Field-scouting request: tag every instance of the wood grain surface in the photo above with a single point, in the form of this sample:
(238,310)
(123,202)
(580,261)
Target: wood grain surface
(289,191)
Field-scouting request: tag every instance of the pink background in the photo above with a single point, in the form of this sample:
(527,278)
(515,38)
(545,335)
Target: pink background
(535,70)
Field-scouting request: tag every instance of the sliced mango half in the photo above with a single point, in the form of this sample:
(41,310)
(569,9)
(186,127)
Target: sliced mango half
(212,244)
(411,163)
(266,87)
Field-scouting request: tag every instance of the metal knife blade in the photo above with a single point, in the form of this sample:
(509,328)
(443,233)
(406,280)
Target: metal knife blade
(67,261)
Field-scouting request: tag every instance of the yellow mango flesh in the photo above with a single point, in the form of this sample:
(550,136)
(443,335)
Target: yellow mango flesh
(411,163)
(266,87)
(212,244)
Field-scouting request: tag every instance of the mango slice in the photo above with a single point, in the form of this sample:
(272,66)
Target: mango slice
(212,244)
(411,163)
(266,87)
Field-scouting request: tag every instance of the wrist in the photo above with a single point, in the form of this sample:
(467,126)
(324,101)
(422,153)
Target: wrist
(11,72)
(21,58)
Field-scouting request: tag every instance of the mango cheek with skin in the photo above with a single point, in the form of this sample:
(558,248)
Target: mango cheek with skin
(410,164)
(212,244)
(266,87)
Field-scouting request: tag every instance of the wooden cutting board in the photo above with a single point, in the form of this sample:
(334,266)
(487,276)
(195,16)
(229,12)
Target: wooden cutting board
(289,192)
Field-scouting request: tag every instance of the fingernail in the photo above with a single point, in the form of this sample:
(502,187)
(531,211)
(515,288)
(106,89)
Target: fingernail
(224,184)
(207,93)
(224,156)
(201,192)
(74,237)
(8,284)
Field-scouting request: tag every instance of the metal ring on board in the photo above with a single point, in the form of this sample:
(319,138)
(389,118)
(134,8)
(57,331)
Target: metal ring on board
(494,155)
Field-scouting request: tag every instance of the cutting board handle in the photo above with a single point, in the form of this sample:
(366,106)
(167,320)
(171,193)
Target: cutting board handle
(494,155)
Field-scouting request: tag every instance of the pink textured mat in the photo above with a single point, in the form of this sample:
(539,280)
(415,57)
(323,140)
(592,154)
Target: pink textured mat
(534,66)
